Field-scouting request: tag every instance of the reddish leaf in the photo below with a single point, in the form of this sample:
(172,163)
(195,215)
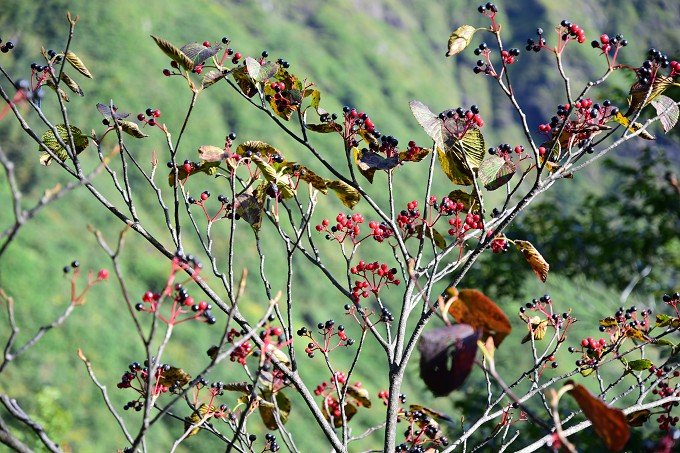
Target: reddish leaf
(446,357)
(610,424)
(474,308)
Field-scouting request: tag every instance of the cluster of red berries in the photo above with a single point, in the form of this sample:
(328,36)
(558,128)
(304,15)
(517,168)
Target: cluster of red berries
(472,222)
(372,278)
(241,352)
(459,121)
(9,45)
(346,226)
(409,217)
(355,121)
(606,43)
(572,31)
(183,304)
(500,244)
(412,150)
(281,98)
(151,114)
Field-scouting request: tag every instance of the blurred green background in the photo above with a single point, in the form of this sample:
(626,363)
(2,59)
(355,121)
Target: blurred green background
(375,56)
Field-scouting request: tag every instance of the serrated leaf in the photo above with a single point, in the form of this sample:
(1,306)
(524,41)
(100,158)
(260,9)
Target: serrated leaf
(472,307)
(212,78)
(609,423)
(360,394)
(667,110)
(346,193)
(195,418)
(268,412)
(446,357)
(132,129)
(198,53)
(174,376)
(77,64)
(642,95)
(324,128)
(211,153)
(460,39)
(640,365)
(495,171)
(72,84)
(462,159)
(638,418)
(538,264)
(50,140)
(432,233)
(427,119)
(306,175)
(174,53)
(243,387)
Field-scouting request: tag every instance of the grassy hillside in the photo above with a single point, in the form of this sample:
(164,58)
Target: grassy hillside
(376,57)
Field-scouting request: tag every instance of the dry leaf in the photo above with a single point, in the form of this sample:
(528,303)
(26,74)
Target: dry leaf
(638,418)
(610,424)
(538,328)
(474,308)
(539,265)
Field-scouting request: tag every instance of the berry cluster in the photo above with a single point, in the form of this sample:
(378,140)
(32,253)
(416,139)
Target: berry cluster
(9,45)
(533,45)
(150,117)
(328,330)
(606,43)
(572,31)
(459,121)
(488,10)
(500,244)
(372,277)
(356,122)
(665,388)
(672,301)
(79,298)
(137,378)
(588,120)
(544,305)
(459,226)
(388,145)
(271,444)
(647,73)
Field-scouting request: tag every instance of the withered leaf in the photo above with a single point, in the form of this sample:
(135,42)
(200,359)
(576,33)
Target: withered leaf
(195,419)
(132,129)
(610,424)
(538,327)
(211,153)
(360,394)
(73,59)
(609,321)
(460,39)
(476,309)
(350,412)
(346,193)
(539,265)
(638,418)
(72,84)
(446,357)
(174,53)
(174,376)
(268,412)
(431,412)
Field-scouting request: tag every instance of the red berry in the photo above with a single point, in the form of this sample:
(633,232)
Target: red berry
(166,72)
(103,274)
(238,55)
(141,117)
(156,113)
(206,43)
(604,39)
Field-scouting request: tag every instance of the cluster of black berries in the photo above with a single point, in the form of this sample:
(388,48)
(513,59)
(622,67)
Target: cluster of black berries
(536,45)
(645,73)
(271,442)
(489,7)
(9,45)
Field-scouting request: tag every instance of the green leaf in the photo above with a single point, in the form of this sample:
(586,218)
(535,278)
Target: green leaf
(460,196)
(132,129)
(174,53)
(663,320)
(269,412)
(640,365)
(256,146)
(667,110)
(306,175)
(495,171)
(461,160)
(198,53)
(664,342)
(195,419)
(50,140)
(261,72)
(271,175)
(346,193)
(460,39)
(431,233)
(77,64)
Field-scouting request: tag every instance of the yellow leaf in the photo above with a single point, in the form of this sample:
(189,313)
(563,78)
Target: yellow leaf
(539,265)
(460,39)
